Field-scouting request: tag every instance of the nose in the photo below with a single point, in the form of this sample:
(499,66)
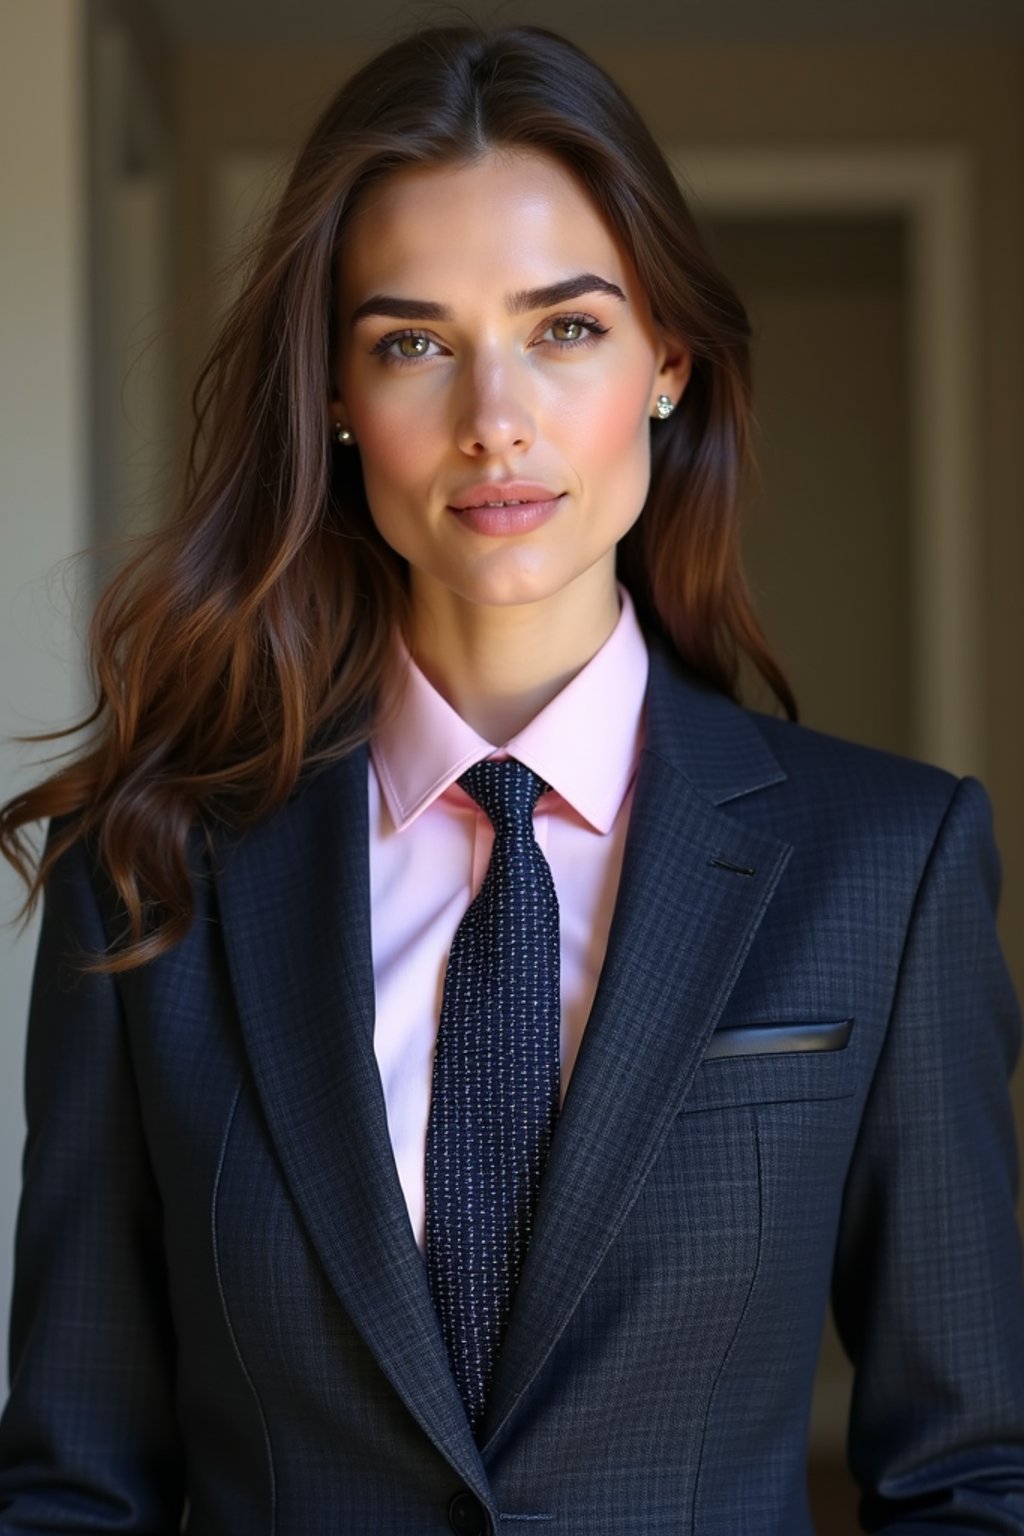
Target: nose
(495,414)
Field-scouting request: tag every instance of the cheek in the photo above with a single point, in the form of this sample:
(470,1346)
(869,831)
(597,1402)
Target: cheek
(397,450)
(616,430)
(611,449)
(608,424)
(394,437)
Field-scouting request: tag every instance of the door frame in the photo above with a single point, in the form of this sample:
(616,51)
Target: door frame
(933,191)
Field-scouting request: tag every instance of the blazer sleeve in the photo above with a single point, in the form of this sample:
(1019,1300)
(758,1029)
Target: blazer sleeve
(927,1286)
(88,1439)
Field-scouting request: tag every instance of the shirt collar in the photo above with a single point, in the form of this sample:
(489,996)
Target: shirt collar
(584,743)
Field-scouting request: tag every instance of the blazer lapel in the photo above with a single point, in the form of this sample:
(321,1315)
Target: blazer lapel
(294,898)
(682,926)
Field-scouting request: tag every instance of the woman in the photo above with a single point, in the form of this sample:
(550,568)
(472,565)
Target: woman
(467,1047)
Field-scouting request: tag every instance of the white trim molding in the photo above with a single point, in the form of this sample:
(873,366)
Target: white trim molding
(932,189)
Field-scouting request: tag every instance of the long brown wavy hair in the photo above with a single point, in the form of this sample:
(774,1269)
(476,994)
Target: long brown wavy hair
(241,645)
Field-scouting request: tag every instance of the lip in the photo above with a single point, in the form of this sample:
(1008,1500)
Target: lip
(537,503)
(503,490)
(503,521)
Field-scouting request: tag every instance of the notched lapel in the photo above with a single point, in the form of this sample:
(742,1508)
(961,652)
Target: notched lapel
(694,888)
(294,900)
(295,907)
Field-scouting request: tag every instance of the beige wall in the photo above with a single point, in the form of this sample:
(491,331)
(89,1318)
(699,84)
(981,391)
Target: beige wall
(967,95)
(69,273)
(829,525)
(239,101)
(43,467)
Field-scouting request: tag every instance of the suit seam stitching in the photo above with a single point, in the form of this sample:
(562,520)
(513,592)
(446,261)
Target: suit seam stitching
(923,878)
(894,1000)
(227,1315)
(915,904)
(739,1321)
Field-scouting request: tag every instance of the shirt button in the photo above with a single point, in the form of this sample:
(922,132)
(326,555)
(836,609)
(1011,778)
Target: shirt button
(467,1516)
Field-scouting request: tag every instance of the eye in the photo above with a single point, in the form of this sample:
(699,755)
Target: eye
(412,345)
(583,330)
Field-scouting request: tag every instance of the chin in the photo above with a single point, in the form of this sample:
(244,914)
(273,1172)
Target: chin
(509,594)
(501,582)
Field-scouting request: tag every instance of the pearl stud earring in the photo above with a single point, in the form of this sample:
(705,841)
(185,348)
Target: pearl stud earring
(342,435)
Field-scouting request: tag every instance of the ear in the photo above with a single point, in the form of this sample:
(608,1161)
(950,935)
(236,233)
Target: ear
(336,413)
(675,361)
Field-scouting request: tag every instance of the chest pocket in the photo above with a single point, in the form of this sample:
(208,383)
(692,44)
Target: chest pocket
(776,1062)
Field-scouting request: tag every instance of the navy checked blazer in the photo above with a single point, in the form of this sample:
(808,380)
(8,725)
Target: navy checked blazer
(792,1088)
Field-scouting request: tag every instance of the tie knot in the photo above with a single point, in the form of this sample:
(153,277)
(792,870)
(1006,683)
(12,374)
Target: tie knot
(507,791)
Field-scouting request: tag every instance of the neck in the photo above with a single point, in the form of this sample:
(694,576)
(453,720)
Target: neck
(498,666)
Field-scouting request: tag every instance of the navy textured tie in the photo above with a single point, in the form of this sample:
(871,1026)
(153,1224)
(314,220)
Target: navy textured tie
(496,1083)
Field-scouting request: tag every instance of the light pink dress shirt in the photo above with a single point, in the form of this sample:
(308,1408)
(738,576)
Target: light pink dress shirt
(430,845)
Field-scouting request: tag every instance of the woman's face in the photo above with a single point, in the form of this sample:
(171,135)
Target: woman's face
(454,376)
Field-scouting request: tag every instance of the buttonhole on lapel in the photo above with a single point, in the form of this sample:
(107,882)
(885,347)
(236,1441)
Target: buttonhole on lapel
(737,869)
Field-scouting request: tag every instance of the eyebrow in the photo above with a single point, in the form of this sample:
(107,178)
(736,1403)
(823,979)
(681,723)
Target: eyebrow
(520,303)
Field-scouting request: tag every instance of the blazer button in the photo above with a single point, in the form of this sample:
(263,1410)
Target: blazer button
(467,1516)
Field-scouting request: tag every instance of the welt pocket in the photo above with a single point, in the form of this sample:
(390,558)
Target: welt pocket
(775,1062)
(772,1039)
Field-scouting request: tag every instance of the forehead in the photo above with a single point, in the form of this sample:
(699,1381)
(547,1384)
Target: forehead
(505,220)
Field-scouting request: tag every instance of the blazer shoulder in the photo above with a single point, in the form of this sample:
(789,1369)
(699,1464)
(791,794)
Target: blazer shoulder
(804,749)
(837,773)
(803,781)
